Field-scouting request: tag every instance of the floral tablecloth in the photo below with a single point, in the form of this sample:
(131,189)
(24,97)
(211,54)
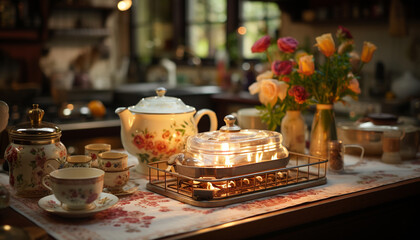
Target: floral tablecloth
(147,215)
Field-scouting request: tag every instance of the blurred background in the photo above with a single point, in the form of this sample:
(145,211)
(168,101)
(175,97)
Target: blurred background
(81,59)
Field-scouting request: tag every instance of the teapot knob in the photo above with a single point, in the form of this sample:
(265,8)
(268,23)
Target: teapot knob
(230,124)
(35,115)
(161,91)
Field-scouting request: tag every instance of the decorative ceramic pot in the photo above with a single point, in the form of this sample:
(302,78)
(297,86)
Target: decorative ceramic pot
(33,146)
(158,126)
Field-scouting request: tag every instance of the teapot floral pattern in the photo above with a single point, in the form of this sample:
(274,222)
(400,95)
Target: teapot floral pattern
(28,164)
(158,145)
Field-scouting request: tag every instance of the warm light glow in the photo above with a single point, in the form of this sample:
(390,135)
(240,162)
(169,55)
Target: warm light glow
(258,157)
(7,227)
(124,5)
(210,186)
(242,30)
(274,157)
(66,112)
(70,106)
(227,162)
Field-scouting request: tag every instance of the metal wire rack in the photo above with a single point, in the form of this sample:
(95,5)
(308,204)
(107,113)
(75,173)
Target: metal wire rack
(302,171)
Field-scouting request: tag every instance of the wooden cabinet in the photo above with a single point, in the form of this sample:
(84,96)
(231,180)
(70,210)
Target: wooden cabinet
(77,23)
(22,35)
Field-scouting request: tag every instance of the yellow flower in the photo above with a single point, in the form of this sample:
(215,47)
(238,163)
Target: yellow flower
(367,52)
(306,65)
(325,44)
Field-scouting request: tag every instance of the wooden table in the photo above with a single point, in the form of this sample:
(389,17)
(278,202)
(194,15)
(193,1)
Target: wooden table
(387,212)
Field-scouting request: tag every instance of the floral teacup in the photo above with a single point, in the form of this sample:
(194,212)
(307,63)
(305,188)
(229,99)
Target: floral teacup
(94,149)
(112,161)
(116,180)
(76,188)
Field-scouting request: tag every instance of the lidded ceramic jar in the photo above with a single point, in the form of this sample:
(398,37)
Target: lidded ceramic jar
(232,146)
(33,146)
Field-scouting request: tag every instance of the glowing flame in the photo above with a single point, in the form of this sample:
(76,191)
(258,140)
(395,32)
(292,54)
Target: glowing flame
(211,187)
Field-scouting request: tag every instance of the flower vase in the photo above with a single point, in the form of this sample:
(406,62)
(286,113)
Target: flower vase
(293,131)
(323,130)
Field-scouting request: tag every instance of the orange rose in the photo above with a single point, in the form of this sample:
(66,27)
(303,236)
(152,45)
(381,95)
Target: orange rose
(299,54)
(367,52)
(325,44)
(306,65)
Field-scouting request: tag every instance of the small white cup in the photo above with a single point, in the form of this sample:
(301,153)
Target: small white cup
(94,149)
(76,188)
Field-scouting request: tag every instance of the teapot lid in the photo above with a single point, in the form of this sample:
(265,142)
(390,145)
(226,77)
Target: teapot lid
(161,104)
(35,131)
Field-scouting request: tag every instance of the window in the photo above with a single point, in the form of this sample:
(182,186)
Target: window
(206,26)
(259,18)
(152,27)
(203,26)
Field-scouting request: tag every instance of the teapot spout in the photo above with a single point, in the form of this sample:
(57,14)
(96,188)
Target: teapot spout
(126,118)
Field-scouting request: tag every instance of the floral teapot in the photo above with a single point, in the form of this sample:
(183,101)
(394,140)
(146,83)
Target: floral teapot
(157,127)
(34,145)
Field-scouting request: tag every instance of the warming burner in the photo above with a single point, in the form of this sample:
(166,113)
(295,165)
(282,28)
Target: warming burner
(213,190)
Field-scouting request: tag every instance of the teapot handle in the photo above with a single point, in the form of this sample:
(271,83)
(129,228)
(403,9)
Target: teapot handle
(212,116)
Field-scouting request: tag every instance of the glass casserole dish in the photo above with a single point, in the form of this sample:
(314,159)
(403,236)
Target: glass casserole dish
(231,151)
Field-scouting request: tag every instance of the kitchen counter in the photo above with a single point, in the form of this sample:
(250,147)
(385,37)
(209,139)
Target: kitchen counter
(382,202)
(385,212)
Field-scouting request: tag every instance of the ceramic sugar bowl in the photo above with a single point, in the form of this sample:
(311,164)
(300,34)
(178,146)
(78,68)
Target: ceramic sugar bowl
(158,126)
(33,146)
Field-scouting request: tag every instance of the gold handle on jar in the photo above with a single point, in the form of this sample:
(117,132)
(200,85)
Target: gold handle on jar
(35,115)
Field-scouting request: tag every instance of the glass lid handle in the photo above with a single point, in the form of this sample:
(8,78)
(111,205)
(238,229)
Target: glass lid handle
(160,91)
(230,124)
(35,115)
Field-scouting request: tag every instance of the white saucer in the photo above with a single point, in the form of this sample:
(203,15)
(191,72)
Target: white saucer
(52,205)
(128,188)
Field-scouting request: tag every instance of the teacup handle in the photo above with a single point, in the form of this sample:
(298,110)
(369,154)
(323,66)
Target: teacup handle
(362,153)
(43,182)
(212,116)
(51,166)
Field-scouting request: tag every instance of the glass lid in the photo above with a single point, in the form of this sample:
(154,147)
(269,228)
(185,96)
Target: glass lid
(232,140)
(35,129)
(161,104)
